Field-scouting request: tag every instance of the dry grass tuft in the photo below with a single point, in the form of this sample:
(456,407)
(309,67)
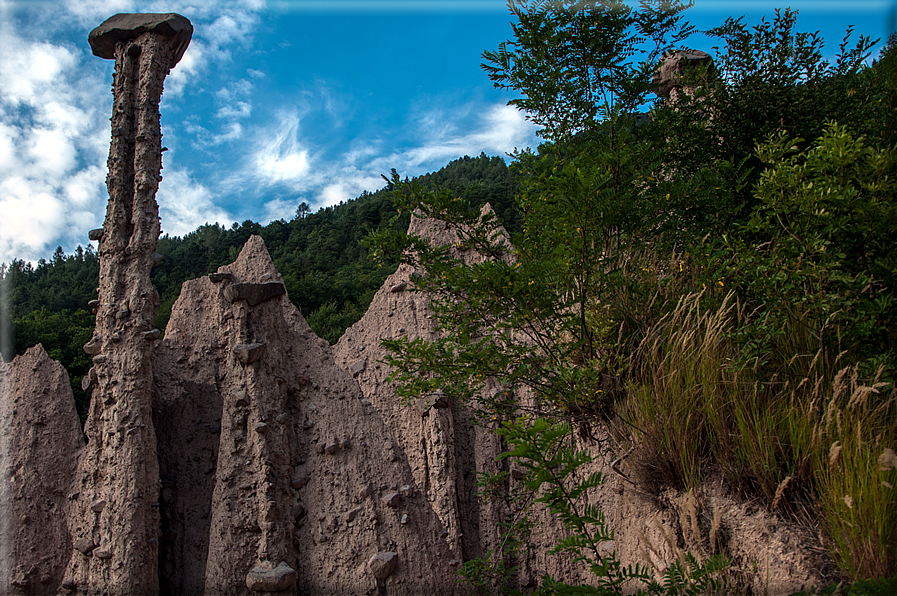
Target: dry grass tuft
(821,437)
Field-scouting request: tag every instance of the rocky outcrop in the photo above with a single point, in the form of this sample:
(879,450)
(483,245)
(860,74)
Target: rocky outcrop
(445,448)
(40,444)
(175,30)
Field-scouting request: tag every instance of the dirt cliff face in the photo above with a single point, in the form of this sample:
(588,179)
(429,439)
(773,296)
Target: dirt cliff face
(445,449)
(40,445)
(274,466)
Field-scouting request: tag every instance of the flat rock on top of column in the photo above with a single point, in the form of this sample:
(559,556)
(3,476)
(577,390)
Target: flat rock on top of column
(669,73)
(121,27)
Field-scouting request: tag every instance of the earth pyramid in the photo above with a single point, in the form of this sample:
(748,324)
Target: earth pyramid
(232,457)
(243,454)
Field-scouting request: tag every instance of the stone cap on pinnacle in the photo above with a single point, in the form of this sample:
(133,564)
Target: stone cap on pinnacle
(121,27)
(674,64)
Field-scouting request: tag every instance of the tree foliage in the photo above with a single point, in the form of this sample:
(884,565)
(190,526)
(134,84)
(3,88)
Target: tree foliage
(574,60)
(769,182)
(827,222)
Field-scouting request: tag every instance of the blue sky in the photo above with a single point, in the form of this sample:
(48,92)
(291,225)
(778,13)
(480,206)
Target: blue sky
(276,103)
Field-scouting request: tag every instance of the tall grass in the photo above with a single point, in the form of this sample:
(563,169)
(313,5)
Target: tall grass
(798,435)
(855,478)
(677,393)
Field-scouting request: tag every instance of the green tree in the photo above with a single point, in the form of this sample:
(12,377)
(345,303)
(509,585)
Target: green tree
(543,319)
(62,334)
(622,223)
(769,78)
(577,61)
(827,224)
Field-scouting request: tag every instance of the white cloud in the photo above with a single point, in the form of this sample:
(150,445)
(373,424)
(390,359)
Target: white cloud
(30,219)
(231,28)
(235,107)
(230,131)
(234,90)
(53,142)
(8,138)
(288,166)
(185,71)
(81,188)
(499,130)
(335,193)
(185,204)
(282,159)
(217,28)
(36,217)
(51,151)
(279,209)
(506,129)
(93,12)
(280,156)
(30,69)
(235,110)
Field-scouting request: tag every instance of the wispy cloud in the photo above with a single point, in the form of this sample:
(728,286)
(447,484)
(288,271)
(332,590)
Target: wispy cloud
(90,13)
(498,130)
(280,157)
(443,136)
(233,28)
(186,71)
(218,29)
(234,107)
(323,180)
(185,204)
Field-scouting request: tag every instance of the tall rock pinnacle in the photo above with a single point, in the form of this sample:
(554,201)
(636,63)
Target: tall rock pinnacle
(115,521)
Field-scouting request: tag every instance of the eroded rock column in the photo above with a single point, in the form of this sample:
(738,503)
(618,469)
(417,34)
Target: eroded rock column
(115,520)
(251,525)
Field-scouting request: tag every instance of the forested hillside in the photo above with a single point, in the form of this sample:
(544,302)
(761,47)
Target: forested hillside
(325,267)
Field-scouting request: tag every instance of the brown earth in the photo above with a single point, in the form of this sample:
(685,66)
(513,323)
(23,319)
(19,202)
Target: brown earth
(278,459)
(40,446)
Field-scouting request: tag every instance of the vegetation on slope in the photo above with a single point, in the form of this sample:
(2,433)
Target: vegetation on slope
(718,284)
